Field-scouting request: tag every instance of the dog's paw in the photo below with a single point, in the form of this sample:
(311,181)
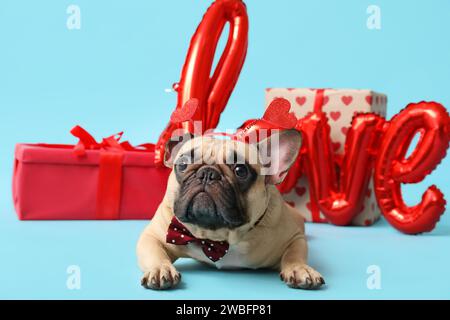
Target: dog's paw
(302,276)
(161,278)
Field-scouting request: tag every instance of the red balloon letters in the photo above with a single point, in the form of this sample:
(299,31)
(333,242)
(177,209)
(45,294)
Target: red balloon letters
(378,146)
(431,121)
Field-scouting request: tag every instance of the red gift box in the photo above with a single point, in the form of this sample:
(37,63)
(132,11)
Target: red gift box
(107,180)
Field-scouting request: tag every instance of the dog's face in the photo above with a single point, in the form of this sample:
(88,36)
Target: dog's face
(222,184)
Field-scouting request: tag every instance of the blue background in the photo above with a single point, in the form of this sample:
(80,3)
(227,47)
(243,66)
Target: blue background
(111,75)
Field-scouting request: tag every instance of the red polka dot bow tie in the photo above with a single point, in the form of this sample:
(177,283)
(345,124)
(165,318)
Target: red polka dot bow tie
(178,234)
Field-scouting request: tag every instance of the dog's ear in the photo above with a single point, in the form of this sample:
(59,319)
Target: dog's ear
(173,146)
(277,153)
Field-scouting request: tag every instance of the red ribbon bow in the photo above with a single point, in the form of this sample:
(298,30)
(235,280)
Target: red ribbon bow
(109,188)
(111,143)
(178,234)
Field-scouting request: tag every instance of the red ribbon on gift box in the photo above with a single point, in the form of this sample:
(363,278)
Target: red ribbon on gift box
(109,188)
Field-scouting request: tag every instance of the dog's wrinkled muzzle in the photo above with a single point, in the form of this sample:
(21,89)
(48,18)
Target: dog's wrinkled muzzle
(208,200)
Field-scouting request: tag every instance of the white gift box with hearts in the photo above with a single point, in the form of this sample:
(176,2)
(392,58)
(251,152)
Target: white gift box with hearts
(340,105)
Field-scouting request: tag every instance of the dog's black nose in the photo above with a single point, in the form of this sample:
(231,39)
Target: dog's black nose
(208,173)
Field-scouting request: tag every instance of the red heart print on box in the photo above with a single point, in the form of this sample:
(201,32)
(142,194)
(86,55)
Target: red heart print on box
(300,191)
(347,100)
(278,113)
(300,100)
(335,115)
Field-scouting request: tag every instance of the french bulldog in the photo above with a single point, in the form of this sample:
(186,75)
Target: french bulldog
(222,207)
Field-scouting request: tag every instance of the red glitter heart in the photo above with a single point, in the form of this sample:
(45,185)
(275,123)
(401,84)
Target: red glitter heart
(186,112)
(278,113)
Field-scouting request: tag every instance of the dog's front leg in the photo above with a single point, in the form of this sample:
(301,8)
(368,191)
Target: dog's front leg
(156,263)
(295,270)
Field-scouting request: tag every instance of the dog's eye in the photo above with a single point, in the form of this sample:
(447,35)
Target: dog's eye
(182,164)
(241,171)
